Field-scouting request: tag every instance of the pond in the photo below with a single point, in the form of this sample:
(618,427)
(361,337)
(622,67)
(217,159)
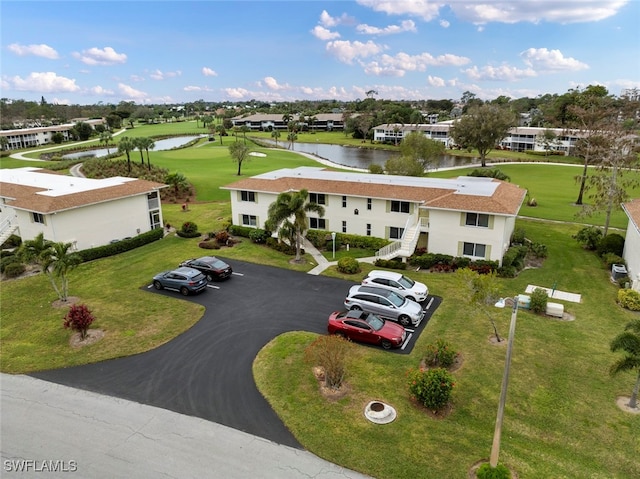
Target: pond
(161,145)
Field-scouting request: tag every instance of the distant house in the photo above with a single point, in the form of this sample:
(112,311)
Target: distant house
(466,216)
(631,252)
(269,122)
(38,136)
(82,211)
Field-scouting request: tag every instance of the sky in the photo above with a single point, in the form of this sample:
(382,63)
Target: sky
(155,52)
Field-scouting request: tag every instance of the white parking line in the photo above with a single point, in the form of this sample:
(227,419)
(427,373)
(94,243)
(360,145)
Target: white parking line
(406,341)
(238,274)
(213,286)
(429,303)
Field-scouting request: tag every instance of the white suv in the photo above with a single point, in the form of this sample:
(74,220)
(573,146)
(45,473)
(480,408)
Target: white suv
(399,283)
(384,303)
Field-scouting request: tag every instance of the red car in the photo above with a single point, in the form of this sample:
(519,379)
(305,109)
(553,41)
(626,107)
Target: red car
(366,328)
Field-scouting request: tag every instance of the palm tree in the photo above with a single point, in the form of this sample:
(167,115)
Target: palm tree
(286,118)
(289,213)
(126,145)
(275,134)
(221,131)
(629,342)
(177,180)
(105,137)
(58,261)
(139,144)
(149,144)
(291,138)
(31,250)
(244,129)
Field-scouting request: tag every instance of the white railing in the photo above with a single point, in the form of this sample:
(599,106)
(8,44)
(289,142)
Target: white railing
(390,249)
(5,225)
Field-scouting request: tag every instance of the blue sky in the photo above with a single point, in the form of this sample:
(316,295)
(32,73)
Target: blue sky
(86,52)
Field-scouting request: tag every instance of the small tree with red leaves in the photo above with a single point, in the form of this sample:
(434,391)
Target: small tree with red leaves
(79,318)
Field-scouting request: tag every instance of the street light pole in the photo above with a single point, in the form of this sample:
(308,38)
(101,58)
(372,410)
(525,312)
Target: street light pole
(495,447)
(333,237)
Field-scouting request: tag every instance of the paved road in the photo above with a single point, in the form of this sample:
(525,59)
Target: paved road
(48,427)
(207,371)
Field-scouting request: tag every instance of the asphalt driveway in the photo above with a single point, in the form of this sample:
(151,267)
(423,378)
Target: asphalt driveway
(207,371)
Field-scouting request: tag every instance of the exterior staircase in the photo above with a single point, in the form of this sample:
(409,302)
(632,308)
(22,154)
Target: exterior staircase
(402,248)
(7,228)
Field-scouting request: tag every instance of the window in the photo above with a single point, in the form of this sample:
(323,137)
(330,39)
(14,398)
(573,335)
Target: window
(475,250)
(248,196)
(368,229)
(368,203)
(154,219)
(395,233)
(317,223)
(477,219)
(153,201)
(400,206)
(344,226)
(38,218)
(344,201)
(249,220)
(317,198)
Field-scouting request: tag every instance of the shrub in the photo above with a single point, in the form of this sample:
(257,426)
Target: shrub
(609,259)
(13,270)
(612,243)
(514,256)
(237,230)
(390,263)
(629,299)
(487,472)
(208,245)
(188,230)
(432,387)
(518,236)
(589,237)
(440,354)
(507,272)
(280,246)
(539,298)
(79,318)
(121,246)
(222,237)
(539,250)
(12,242)
(488,173)
(258,236)
(348,265)
(330,353)
(7,259)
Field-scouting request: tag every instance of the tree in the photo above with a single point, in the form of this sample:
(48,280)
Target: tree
(31,251)
(480,291)
(292,136)
(139,144)
(126,145)
(4,142)
(244,129)
(148,144)
(615,174)
(58,261)
(178,181)
(79,318)
(629,342)
(421,149)
(221,130)
(83,130)
(482,128)
(403,166)
(548,140)
(105,137)
(275,134)
(289,212)
(239,152)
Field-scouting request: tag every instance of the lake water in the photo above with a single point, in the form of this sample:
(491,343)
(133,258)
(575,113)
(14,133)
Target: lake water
(161,145)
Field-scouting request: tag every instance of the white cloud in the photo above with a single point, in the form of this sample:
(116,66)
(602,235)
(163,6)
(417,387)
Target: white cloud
(41,50)
(425,9)
(208,72)
(329,21)
(435,81)
(403,62)
(550,60)
(444,23)
(45,82)
(96,56)
(374,68)
(98,90)
(159,75)
(60,101)
(131,92)
(196,88)
(273,84)
(502,73)
(324,33)
(136,78)
(237,93)
(346,51)
(405,26)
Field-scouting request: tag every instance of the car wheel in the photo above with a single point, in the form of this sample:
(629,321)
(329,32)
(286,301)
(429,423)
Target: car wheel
(157,284)
(412,298)
(404,320)
(356,308)
(386,344)
(185,291)
(210,277)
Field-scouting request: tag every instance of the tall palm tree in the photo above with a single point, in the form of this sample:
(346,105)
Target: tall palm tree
(149,144)
(629,342)
(58,261)
(126,145)
(105,137)
(139,144)
(244,129)
(221,131)
(292,136)
(275,134)
(286,118)
(289,213)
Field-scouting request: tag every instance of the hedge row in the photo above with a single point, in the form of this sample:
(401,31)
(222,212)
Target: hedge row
(121,246)
(322,239)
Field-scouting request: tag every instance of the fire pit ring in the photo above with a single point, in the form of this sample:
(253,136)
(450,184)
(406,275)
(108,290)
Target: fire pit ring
(379,412)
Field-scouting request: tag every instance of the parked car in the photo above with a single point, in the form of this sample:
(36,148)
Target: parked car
(385,303)
(413,290)
(366,328)
(185,280)
(212,267)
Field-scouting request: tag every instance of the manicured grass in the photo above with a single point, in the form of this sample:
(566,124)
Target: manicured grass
(561,419)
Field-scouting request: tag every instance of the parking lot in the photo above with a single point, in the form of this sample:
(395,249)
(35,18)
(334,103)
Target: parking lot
(207,371)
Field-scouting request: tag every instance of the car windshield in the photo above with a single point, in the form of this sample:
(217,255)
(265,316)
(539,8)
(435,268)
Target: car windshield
(375,322)
(395,298)
(219,264)
(406,282)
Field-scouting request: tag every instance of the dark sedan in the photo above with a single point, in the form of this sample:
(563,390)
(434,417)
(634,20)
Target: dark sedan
(366,328)
(184,280)
(212,267)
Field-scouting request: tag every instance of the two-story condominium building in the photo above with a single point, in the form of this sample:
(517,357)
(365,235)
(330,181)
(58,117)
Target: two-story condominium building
(270,122)
(631,252)
(82,211)
(38,136)
(465,216)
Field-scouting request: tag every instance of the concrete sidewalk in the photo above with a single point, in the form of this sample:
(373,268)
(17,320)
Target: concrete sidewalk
(322,262)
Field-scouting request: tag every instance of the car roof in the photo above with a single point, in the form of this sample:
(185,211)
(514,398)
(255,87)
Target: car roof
(378,273)
(187,271)
(360,288)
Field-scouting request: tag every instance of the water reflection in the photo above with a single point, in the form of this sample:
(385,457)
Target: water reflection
(161,145)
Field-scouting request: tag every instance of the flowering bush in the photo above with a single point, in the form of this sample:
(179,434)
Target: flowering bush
(440,354)
(79,318)
(188,230)
(431,387)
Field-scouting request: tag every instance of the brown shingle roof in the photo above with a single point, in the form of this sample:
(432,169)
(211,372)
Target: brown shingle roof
(633,211)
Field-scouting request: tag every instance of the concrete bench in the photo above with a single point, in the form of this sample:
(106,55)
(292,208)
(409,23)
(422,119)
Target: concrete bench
(555,309)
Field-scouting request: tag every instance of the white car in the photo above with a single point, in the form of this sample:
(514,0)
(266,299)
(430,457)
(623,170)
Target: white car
(384,303)
(410,289)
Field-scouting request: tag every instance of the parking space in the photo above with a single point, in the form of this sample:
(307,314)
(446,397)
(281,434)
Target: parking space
(207,371)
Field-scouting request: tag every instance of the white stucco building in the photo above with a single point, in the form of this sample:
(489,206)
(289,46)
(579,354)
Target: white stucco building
(466,216)
(631,252)
(82,211)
